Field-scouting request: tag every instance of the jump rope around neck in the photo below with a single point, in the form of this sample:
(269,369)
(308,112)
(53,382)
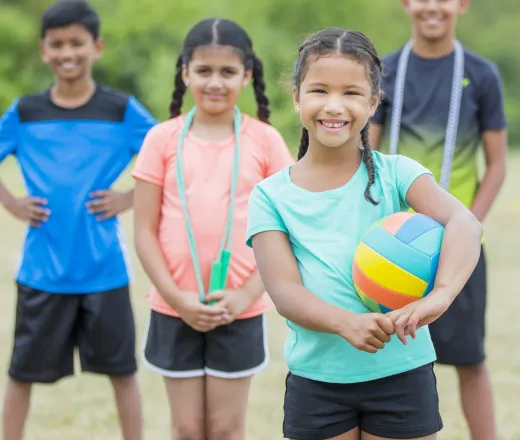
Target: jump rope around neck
(454,109)
(220,266)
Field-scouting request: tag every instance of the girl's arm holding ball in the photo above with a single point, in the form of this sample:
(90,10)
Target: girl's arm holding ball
(277,265)
(460,252)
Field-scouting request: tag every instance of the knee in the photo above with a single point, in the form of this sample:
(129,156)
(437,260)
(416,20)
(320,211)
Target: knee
(188,432)
(225,430)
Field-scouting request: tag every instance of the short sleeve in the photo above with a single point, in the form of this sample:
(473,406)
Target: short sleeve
(262,215)
(150,165)
(491,102)
(138,122)
(9,131)
(406,171)
(278,155)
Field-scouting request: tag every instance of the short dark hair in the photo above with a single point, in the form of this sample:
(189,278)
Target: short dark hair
(67,12)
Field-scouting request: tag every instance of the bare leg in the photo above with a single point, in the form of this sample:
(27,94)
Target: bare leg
(17,400)
(186,398)
(226,407)
(128,401)
(477,401)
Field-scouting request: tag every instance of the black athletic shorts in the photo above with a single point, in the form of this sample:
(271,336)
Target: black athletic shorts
(402,406)
(174,349)
(458,335)
(49,326)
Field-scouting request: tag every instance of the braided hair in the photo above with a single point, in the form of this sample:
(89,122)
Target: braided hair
(354,45)
(224,33)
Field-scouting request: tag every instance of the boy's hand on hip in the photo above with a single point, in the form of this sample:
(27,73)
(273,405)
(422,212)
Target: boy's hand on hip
(367,332)
(108,203)
(30,210)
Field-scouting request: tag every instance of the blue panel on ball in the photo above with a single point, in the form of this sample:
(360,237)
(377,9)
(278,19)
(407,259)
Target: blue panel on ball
(400,254)
(434,264)
(384,309)
(414,227)
(430,242)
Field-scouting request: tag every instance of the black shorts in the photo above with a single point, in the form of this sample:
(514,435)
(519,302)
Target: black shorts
(174,349)
(402,406)
(458,335)
(49,326)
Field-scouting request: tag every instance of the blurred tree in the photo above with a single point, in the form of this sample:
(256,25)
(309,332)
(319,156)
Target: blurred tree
(144,37)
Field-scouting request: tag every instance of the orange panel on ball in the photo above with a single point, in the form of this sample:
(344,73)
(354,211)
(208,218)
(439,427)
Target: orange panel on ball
(377,293)
(395,221)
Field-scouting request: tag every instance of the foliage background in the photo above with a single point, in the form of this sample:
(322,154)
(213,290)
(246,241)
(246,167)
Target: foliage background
(143,39)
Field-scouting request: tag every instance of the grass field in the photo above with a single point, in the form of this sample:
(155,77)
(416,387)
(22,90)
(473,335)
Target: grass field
(82,408)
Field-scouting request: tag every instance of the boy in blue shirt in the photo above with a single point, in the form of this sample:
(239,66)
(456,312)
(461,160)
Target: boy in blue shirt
(72,142)
(441,103)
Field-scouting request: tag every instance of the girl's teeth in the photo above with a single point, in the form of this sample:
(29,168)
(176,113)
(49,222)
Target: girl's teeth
(333,124)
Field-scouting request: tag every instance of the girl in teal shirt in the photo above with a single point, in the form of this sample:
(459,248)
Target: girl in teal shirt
(352,374)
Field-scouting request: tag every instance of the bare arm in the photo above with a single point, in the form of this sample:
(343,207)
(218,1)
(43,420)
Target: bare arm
(254,287)
(277,265)
(6,197)
(495,148)
(462,235)
(375,133)
(147,211)
(460,252)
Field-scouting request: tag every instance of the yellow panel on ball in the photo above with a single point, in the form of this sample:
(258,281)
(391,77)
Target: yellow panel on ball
(387,274)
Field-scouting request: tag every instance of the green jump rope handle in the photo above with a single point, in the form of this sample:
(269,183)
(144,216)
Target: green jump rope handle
(219,272)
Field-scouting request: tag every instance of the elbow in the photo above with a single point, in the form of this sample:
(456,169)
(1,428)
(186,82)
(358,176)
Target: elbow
(473,225)
(280,305)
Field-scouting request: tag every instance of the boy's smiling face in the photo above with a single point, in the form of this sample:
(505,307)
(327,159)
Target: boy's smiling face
(70,51)
(435,20)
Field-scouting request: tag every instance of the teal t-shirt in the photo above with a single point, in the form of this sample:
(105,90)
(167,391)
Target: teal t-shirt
(324,229)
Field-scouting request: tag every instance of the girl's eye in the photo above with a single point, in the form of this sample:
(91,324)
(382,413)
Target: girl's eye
(318,91)
(352,93)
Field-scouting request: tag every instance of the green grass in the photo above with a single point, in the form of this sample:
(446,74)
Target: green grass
(82,408)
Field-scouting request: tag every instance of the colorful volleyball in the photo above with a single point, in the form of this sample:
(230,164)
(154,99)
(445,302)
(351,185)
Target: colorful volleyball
(396,261)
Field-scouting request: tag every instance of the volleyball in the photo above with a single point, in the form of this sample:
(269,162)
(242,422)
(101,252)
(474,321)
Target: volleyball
(396,261)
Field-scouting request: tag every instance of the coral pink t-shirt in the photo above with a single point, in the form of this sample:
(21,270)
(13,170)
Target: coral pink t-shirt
(207,171)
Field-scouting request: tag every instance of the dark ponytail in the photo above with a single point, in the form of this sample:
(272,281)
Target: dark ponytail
(304,143)
(179,90)
(367,159)
(262,101)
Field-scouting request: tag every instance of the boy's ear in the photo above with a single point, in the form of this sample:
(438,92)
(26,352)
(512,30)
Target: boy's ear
(43,55)
(464,6)
(100,45)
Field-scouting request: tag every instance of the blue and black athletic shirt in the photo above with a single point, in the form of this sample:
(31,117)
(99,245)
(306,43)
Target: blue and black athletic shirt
(65,155)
